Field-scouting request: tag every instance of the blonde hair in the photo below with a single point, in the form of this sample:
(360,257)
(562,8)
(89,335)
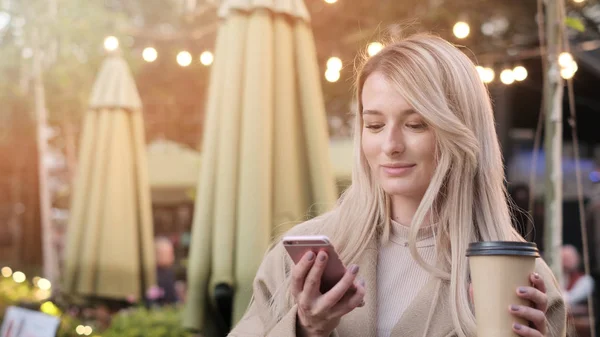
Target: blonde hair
(466,195)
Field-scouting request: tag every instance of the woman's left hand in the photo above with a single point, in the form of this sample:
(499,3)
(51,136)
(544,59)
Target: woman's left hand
(535,314)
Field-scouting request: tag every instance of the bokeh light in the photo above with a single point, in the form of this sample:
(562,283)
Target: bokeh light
(111,43)
(184,58)
(207,58)
(6,271)
(461,29)
(520,73)
(507,76)
(332,75)
(150,54)
(19,277)
(565,59)
(334,63)
(374,48)
(488,75)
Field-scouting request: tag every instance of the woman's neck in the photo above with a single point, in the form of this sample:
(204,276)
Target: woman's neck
(403,209)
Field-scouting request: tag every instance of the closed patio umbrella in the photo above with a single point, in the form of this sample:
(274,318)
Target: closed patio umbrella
(265,161)
(109,252)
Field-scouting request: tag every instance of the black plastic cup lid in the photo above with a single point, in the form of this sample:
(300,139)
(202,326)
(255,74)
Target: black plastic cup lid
(511,248)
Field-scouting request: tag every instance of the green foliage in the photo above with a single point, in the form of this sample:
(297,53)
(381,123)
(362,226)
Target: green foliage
(71,43)
(575,23)
(12,293)
(140,322)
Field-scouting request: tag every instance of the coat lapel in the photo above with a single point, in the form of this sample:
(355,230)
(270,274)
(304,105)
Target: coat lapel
(363,321)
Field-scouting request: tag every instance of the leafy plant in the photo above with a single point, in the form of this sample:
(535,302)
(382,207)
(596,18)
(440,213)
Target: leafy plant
(141,322)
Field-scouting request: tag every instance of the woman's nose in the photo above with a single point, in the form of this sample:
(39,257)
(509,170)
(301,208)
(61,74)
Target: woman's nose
(393,144)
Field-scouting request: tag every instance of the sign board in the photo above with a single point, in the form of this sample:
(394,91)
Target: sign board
(20,322)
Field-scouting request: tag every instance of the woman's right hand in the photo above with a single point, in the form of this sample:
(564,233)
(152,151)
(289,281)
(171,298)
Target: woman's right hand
(319,314)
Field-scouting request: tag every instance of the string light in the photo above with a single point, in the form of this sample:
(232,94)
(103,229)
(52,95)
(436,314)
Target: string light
(184,58)
(332,75)
(480,71)
(80,329)
(374,48)
(578,1)
(111,43)
(520,73)
(150,54)
(569,71)
(207,58)
(565,59)
(488,75)
(334,63)
(507,76)
(330,1)
(461,29)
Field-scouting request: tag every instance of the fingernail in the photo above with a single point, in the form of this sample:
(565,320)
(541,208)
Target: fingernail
(310,256)
(517,326)
(362,303)
(354,269)
(322,257)
(362,282)
(514,307)
(522,290)
(536,275)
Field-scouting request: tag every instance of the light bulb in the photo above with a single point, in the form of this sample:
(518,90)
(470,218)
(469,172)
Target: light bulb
(207,58)
(507,76)
(184,58)
(374,48)
(565,59)
(488,75)
(332,75)
(461,29)
(150,54)
(334,63)
(111,43)
(520,73)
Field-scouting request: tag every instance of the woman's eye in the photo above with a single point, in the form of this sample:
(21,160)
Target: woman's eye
(374,126)
(417,126)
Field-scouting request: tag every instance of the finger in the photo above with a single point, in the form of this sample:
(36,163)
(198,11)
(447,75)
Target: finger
(335,294)
(538,298)
(299,272)
(312,283)
(349,302)
(532,315)
(525,331)
(538,282)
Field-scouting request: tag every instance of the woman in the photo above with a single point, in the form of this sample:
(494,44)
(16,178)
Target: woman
(428,180)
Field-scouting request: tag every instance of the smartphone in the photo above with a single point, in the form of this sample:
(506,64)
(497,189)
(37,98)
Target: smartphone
(298,246)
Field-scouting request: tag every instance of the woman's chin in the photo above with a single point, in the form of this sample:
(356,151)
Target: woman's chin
(402,191)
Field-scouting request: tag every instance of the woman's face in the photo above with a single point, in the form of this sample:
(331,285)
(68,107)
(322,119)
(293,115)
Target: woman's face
(398,145)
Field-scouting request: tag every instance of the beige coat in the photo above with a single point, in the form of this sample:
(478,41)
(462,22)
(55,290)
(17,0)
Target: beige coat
(428,314)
